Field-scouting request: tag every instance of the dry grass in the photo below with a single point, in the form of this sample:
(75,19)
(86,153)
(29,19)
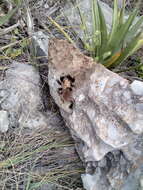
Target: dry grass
(33,159)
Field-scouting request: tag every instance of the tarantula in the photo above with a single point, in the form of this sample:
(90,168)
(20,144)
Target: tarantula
(66,87)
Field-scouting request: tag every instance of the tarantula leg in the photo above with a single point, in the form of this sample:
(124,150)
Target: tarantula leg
(70,78)
(72,85)
(59,82)
(69,88)
(60,90)
(71,105)
(62,78)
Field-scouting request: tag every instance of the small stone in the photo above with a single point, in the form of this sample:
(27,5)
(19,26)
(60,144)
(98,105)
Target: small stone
(46,6)
(22,97)
(141,182)
(88,181)
(137,87)
(4,122)
(41,42)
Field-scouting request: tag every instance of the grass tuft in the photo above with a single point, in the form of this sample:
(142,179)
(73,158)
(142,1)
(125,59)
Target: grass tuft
(29,161)
(110,47)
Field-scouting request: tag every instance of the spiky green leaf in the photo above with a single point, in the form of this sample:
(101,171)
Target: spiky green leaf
(118,38)
(96,36)
(132,47)
(115,20)
(103,30)
(134,29)
(122,13)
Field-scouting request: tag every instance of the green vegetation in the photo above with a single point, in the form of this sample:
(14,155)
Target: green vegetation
(6,17)
(30,160)
(112,47)
(18,43)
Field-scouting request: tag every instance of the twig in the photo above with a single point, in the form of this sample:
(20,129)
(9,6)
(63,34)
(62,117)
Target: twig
(10,45)
(9,29)
(30,24)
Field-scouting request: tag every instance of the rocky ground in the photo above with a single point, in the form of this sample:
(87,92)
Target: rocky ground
(36,148)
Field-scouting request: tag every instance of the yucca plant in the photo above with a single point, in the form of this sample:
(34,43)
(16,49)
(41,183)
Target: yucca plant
(111,47)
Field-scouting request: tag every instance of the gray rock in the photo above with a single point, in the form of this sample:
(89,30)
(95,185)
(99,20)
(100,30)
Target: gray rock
(88,181)
(85,7)
(96,181)
(141,183)
(102,111)
(21,88)
(4,122)
(137,87)
(134,180)
(40,42)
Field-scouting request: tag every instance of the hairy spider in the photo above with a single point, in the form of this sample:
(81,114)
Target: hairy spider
(66,87)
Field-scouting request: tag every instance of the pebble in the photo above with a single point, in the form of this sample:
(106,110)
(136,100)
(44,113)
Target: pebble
(4,121)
